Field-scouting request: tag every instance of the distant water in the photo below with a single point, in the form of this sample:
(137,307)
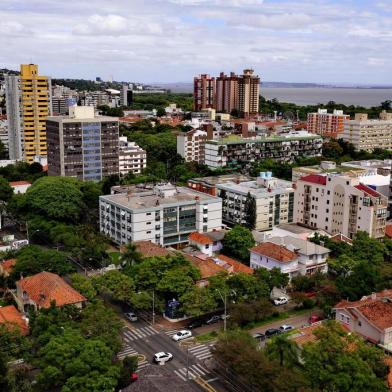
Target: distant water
(313,95)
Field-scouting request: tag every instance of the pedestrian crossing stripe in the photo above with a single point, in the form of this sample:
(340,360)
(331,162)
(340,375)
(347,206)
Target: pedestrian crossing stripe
(172,332)
(127,352)
(193,372)
(138,333)
(142,365)
(201,351)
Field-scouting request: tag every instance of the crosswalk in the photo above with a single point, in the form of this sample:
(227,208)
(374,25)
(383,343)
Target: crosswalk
(194,371)
(138,333)
(128,351)
(201,351)
(171,332)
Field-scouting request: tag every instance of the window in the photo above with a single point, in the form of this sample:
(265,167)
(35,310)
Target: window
(148,213)
(207,246)
(148,223)
(148,232)
(359,323)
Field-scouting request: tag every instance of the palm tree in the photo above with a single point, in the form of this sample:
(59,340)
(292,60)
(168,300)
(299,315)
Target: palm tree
(284,350)
(131,256)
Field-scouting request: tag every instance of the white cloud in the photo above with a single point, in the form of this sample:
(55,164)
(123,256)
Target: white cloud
(103,25)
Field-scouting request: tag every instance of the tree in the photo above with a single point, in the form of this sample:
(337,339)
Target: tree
(284,350)
(247,287)
(129,366)
(161,112)
(6,190)
(121,287)
(197,301)
(237,243)
(84,285)
(332,149)
(250,212)
(386,105)
(131,255)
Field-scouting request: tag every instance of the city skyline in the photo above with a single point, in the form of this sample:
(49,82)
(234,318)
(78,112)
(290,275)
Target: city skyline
(322,41)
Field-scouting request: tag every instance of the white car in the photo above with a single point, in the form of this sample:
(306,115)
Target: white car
(130,316)
(286,328)
(162,357)
(280,301)
(184,334)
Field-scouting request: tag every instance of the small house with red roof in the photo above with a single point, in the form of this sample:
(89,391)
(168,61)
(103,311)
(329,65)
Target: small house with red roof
(13,319)
(6,266)
(40,290)
(207,243)
(20,186)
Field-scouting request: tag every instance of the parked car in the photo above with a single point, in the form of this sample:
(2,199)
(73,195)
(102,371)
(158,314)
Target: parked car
(213,319)
(286,327)
(130,316)
(184,334)
(314,318)
(162,357)
(280,301)
(271,332)
(258,336)
(195,324)
(133,377)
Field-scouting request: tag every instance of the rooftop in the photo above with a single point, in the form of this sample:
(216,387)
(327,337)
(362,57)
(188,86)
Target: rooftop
(45,287)
(237,266)
(205,265)
(12,318)
(366,189)
(6,265)
(274,251)
(213,180)
(301,246)
(149,249)
(18,183)
(315,179)
(200,238)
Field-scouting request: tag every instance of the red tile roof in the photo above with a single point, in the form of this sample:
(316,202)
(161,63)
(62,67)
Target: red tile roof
(45,287)
(388,231)
(7,265)
(149,249)
(275,251)
(206,266)
(200,238)
(315,179)
(342,238)
(18,183)
(12,318)
(368,190)
(237,266)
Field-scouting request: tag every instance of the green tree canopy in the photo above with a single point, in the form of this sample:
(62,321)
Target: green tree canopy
(237,243)
(6,190)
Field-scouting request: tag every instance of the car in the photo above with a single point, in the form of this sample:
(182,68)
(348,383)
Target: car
(184,334)
(134,377)
(258,336)
(271,332)
(280,301)
(162,357)
(286,328)
(195,324)
(130,316)
(314,319)
(213,319)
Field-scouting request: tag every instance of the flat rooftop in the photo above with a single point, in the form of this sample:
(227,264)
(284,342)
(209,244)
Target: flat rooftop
(154,198)
(255,189)
(67,119)
(213,180)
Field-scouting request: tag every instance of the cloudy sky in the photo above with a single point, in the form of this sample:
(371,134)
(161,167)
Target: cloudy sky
(171,40)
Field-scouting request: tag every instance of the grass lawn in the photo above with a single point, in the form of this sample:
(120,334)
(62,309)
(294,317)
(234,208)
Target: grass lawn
(206,337)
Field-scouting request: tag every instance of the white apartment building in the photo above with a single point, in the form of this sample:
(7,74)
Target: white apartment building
(327,124)
(4,131)
(190,145)
(274,200)
(132,158)
(163,214)
(339,204)
(367,134)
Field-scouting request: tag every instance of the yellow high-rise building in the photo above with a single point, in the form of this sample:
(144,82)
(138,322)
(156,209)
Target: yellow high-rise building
(35,107)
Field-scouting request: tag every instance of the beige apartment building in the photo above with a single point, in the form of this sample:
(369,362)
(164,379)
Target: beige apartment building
(367,134)
(248,93)
(191,145)
(339,204)
(204,92)
(226,93)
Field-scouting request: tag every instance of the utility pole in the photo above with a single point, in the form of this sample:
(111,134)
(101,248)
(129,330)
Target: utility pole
(224,299)
(153,306)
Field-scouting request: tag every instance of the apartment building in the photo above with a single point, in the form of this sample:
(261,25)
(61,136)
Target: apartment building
(274,201)
(83,145)
(132,158)
(4,130)
(248,93)
(204,92)
(191,145)
(367,134)
(226,99)
(163,214)
(339,204)
(327,124)
(28,99)
(239,151)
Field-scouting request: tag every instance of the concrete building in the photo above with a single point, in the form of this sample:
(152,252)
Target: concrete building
(339,204)
(191,145)
(126,96)
(163,214)
(4,131)
(28,106)
(83,145)
(327,124)
(59,106)
(226,98)
(274,200)
(372,166)
(248,93)
(291,255)
(204,92)
(132,158)
(365,134)
(239,151)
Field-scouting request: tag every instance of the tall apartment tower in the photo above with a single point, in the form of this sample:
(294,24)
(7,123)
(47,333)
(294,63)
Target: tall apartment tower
(327,124)
(204,92)
(83,145)
(226,97)
(248,93)
(28,105)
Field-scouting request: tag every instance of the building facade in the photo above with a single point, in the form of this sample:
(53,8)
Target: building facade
(163,214)
(28,106)
(204,92)
(83,145)
(132,158)
(226,98)
(232,151)
(191,145)
(274,201)
(248,93)
(365,134)
(327,124)
(339,204)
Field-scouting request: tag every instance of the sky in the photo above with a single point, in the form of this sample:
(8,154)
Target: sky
(321,41)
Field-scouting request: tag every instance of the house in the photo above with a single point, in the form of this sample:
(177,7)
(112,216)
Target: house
(233,266)
(207,243)
(150,249)
(20,186)
(13,319)
(370,317)
(6,267)
(40,290)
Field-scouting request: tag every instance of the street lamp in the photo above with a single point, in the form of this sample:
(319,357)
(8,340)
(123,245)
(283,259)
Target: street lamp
(224,299)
